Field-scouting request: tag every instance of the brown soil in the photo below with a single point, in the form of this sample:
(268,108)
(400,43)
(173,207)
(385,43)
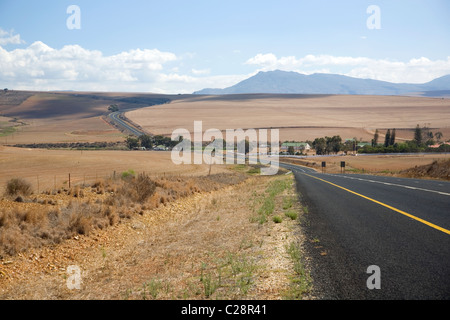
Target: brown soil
(435,170)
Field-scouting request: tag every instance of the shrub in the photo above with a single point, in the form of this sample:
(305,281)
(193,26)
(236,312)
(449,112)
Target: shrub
(137,189)
(277,219)
(144,187)
(291,214)
(18,186)
(254,171)
(127,175)
(287,203)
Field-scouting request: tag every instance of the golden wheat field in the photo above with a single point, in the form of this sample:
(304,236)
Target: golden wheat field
(300,117)
(45,117)
(50,169)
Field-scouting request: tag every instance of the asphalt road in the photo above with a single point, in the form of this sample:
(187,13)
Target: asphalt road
(115,116)
(355,221)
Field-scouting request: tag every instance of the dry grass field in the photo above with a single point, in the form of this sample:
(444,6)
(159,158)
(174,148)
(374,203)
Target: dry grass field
(52,117)
(77,117)
(371,164)
(300,117)
(51,168)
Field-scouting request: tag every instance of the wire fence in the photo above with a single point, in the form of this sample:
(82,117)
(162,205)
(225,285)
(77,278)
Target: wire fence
(41,183)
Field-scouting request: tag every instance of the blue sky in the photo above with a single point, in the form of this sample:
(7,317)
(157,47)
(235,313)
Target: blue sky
(182,46)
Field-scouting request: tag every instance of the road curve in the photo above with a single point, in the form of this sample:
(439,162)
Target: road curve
(115,117)
(357,221)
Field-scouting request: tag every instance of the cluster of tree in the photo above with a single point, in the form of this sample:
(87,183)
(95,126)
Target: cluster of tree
(328,145)
(389,138)
(113,108)
(406,147)
(423,139)
(149,142)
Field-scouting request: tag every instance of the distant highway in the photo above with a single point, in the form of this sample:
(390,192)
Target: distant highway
(356,221)
(115,117)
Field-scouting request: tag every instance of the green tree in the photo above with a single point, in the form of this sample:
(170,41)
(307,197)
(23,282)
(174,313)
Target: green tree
(159,140)
(145,141)
(113,108)
(132,142)
(334,144)
(392,139)
(375,138)
(438,136)
(418,135)
(320,145)
(291,150)
(387,138)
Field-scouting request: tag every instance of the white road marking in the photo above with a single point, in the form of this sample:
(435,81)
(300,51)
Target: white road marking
(393,184)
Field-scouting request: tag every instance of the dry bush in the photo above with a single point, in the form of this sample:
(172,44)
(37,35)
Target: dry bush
(76,192)
(18,186)
(144,187)
(110,214)
(24,229)
(137,189)
(21,229)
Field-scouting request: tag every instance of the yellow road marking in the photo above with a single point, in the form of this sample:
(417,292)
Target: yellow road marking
(385,205)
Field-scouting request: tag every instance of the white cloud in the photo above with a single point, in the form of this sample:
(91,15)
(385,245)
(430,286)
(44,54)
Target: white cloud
(268,60)
(201,72)
(72,67)
(418,70)
(9,38)
(40,67)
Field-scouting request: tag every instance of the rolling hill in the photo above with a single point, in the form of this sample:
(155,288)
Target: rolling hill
(295,83)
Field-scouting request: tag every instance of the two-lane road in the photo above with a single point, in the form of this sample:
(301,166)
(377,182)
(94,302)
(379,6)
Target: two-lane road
(116,117)
(356,221)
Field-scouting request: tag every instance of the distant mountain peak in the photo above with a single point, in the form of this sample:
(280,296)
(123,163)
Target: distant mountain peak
(291,82)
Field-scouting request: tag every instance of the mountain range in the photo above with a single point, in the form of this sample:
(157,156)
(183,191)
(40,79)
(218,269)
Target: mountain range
(320,83)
